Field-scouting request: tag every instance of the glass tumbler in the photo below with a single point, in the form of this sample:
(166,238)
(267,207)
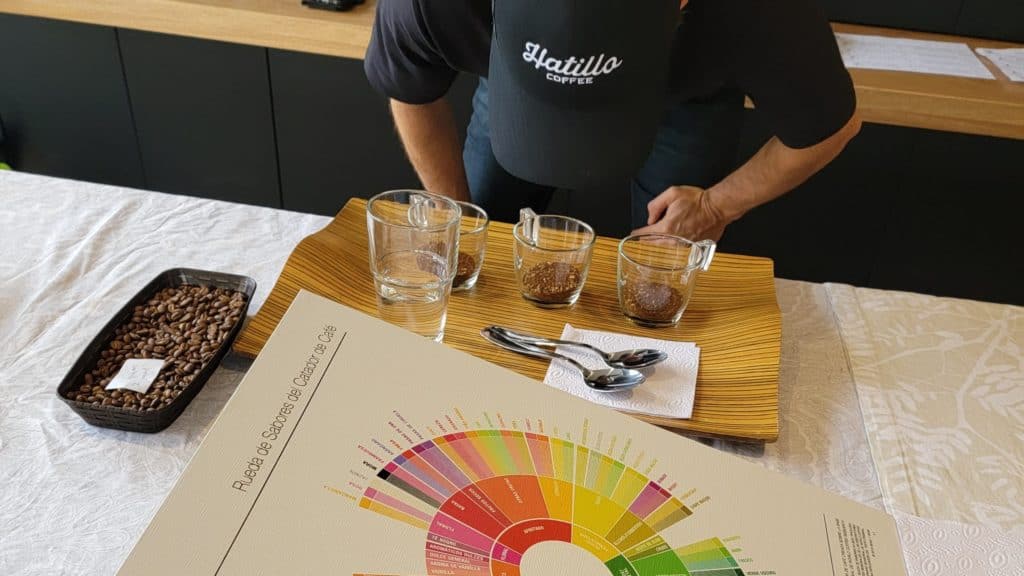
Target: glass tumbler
(551,256)
(472,245)
(414,247)
(657,274)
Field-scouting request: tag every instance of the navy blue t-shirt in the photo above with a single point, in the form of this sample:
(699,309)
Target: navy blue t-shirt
(780,53)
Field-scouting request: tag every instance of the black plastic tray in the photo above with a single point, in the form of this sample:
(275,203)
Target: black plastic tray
(155,420)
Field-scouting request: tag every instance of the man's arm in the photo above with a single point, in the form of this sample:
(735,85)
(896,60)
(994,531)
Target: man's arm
(432,143)
(775,169)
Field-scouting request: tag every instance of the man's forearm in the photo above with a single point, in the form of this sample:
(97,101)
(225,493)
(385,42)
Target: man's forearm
(432,143)
(774,170)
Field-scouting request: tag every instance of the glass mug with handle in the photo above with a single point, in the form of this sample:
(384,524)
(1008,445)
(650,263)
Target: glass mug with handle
(657,274)
(413,239)
(551,256)
(472,245)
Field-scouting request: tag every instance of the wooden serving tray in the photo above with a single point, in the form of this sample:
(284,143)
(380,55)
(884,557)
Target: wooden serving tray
(733,316)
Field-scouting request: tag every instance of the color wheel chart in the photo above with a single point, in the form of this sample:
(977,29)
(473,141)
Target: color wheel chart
(485,493)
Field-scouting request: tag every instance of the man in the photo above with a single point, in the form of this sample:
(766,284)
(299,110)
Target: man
(577,93)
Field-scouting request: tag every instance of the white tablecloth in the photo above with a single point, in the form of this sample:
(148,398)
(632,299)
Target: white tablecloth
(74,498)
(941,382)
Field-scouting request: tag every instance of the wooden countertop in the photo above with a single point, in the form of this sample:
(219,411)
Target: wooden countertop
(968,105)
(949,103)
(284,24)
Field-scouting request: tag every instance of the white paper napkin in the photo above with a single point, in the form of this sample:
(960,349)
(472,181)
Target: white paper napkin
(668,391)
(940,547)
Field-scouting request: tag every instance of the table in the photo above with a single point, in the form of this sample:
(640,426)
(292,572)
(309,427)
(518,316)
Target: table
(971,106)
(75,498)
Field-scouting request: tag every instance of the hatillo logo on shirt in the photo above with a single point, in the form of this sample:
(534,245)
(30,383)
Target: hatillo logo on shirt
(572,70)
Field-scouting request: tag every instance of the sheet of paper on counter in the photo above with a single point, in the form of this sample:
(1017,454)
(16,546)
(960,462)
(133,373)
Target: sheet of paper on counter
(908,55)
(136,374)
(1009,60)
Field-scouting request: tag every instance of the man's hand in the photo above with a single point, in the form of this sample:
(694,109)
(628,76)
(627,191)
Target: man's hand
(685,211)
(775,169)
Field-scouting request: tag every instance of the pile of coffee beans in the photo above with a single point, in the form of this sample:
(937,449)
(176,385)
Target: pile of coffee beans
(651,301)
(184,326)
(553,282)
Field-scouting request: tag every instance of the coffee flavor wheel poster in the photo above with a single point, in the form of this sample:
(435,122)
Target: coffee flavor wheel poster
(353,447)
(507,497)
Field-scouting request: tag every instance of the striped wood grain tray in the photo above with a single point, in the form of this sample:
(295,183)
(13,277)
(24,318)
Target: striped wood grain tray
(733,316)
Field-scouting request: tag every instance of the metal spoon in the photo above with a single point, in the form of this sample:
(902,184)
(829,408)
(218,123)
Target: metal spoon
(607,380)
(635,358)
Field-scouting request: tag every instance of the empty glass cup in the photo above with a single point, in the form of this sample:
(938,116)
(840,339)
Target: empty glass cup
(472,245)
(414,246)
(656,276)
(551,255)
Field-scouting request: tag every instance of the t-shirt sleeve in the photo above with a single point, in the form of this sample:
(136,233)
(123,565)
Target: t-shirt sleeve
(788,62)
(402,60)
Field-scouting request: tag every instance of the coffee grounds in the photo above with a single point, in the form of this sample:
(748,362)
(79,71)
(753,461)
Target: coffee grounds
(652,301)
(552,281)
(467,265)
(427,263)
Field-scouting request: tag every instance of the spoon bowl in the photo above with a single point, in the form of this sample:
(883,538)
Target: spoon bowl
(613,379)
(634,358)
(603,380)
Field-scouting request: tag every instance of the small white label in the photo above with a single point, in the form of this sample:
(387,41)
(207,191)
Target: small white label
(136,374)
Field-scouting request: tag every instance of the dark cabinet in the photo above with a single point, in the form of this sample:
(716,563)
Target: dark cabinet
(63,101)
(924,15)
(998,19)
(1003,19)
(335,136)
(333,133)
(203,116)
(931,212)
(955,227)
(832,226)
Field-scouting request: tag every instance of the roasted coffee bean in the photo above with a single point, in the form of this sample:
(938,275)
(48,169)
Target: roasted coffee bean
(184,326)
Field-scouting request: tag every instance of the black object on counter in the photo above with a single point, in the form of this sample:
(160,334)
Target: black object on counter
(336,5)
(155,420)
